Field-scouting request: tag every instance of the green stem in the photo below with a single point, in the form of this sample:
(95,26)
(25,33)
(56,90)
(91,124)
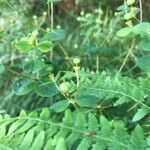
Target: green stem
(77,75)
(126,58)
(141,10)
(52,25)
(97,63)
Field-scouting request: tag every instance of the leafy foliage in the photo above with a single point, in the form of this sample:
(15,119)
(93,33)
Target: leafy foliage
(75,130)
(102,90)
(74,75)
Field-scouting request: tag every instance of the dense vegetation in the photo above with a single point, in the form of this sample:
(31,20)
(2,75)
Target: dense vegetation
(74,74)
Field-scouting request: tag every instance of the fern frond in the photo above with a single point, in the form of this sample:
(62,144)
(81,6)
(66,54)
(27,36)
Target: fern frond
(116,90)
(76,130)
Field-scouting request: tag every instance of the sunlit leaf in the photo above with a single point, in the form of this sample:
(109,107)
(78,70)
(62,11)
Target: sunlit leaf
(124,31)
(24,46)
(45,46)
(142,112)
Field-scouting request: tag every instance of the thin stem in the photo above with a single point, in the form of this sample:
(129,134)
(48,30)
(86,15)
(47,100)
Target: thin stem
(126,58)
(58,88)
(141,10)
(122,93)
(65,53)
(134,106)
(77,75)
(49,16)
(52,25)
(52,15)
(137,19)
(10,5)
(74,104)
(97,63)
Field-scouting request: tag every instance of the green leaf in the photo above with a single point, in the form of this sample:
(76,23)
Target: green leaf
(48,145)
(24,46)
(45,88)
(57,35)
(93,124)
(137,139)
(2,68)
(2,131)
(142,27)
(142,112)
(122,7)
(15,126)
(27,141)
(45,114)
(38,142)
(148,141)
(45,46)
(23,86)
(33,66)
(144,63)
(60,106)
(145,44)
(87,100)
(2,1)
(124,31)
(61,145)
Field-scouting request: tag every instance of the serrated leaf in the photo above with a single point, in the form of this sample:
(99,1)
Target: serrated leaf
(38,142)
(45,46)
(93,123)
(87,100)
(148,141)
(137,139)
(61,144)
(2,130)
(48,145)
(4,147)
(27,125)
(142,112)
(27,141)
(144,63)
(14,126)
(45,114)
(23,86)
(80,120)
(16,140)
(24,46)
(84,144)
(60,106)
